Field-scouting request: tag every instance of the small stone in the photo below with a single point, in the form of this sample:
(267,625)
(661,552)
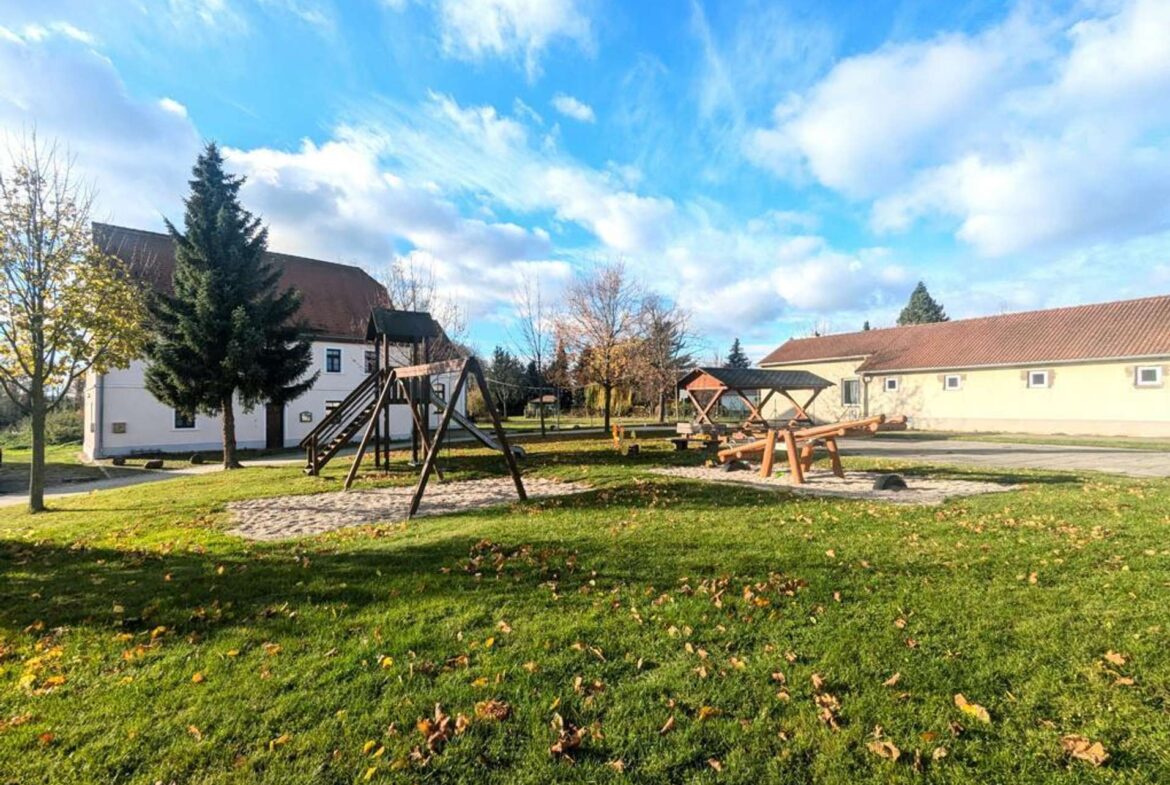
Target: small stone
(153,463)
(118,460)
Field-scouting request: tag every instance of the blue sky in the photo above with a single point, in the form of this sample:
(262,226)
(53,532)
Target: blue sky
(773,167)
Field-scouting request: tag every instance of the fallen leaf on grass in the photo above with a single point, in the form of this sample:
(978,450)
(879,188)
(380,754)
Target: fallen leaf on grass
(706,712)
(715,764)
(195,732)
(1115,658)
(197,678)
(890,682)
(617,765)
(493,710)
(370,772)
(668,727)
(279,741)
(569,738)
(973,709)
(884,749)
(1091,752)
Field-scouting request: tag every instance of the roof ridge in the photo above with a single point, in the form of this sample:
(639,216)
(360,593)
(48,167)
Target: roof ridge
(986,317)
(269,251)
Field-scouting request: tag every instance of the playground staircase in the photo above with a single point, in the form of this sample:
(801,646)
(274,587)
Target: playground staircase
(341,425)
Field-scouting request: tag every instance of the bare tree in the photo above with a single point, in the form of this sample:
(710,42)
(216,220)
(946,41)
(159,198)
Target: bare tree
(412,287)
(666,348)
(65,307)
(533,341)
(601,318)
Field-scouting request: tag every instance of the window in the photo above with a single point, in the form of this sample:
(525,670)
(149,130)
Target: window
(371,361)
(184,421)
(953,382)
(891,384)
(1148,376)
(440,390)
(332,361)
(1037,379)
(850,392)
(331,405)
(306,416)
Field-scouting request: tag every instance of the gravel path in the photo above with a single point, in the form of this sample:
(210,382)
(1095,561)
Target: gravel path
(284,517)
(855,485)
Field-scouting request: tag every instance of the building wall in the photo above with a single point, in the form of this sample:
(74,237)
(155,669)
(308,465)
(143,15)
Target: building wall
(1087,398)
(120,396)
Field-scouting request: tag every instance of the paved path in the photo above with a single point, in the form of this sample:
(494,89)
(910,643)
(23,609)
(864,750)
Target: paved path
(1136,463)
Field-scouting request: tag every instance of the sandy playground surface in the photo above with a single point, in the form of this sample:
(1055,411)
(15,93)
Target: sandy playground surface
(283,517)
(855,485)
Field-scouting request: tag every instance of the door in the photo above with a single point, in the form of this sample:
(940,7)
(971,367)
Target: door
(274,427)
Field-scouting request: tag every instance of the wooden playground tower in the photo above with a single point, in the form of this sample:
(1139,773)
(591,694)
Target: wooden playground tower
(413,386)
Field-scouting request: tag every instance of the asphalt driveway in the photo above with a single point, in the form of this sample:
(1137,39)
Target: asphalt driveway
(1135,463)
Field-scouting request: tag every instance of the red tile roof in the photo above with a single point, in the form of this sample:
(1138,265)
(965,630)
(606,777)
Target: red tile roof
(1125,329)
(336,299)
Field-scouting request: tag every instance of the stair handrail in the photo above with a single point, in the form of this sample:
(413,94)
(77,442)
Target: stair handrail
(341,415)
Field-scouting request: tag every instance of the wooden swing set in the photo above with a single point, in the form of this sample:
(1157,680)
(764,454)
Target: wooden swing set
(368,405)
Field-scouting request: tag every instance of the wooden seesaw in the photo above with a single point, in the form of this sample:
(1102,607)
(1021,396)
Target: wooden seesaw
(800,444)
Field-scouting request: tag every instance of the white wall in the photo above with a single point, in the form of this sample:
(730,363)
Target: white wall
(149,425)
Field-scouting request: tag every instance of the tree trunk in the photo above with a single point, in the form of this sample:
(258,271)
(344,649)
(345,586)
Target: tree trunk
(36,467)
(608,390)
(540,405)
(229,436)
(661,406)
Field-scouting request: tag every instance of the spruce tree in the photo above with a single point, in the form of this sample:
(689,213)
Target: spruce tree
(922,308)
(736,357)
(226,331)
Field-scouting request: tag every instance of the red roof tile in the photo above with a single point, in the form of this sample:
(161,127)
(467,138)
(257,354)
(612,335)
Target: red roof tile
(336,299)
(1125,329)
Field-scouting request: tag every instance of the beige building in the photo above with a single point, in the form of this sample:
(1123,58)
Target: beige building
(1094,369)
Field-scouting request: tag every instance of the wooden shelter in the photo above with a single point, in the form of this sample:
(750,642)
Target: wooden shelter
(712,384)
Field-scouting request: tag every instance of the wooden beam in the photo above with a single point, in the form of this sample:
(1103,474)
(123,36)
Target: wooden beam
(834,456)
(769,454)
(422,432)
(357,459)
(502,437)
(428,369)
(433,452)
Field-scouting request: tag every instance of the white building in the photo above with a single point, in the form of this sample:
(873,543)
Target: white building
(123,418)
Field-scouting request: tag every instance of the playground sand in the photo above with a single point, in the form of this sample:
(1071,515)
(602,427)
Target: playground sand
(285,517)
(855,485)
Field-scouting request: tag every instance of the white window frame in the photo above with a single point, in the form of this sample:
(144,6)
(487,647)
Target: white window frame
(175,422)
(371,360)
(891,384)
(1137,376)
(331,405)
(340,359)
(958,385)
(1047,376)
(845,386)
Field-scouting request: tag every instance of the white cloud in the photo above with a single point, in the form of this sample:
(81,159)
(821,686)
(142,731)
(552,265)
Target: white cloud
(475,29)
(172,106)
(137,155)
(1033,134)
(571,107)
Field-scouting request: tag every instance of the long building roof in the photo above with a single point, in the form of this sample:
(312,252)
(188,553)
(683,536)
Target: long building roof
(1127,329)
(336,299)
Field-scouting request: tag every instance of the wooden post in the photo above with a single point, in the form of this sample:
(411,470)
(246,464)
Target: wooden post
(769,454)
(806,455)
(357,459)
(793,459)
(433,452)
(423,434)
(501,437)
(834,456)
(313,456)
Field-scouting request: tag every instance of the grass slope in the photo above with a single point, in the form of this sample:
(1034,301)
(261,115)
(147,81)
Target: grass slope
(138,643)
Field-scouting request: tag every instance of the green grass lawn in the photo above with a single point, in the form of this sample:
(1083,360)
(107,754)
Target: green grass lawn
(652,630)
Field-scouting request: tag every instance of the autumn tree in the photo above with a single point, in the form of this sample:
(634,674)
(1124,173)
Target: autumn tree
(66,308)
(505,380)
(601,315)
(922,308)
(559,372)
(664,353)
(227,330)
